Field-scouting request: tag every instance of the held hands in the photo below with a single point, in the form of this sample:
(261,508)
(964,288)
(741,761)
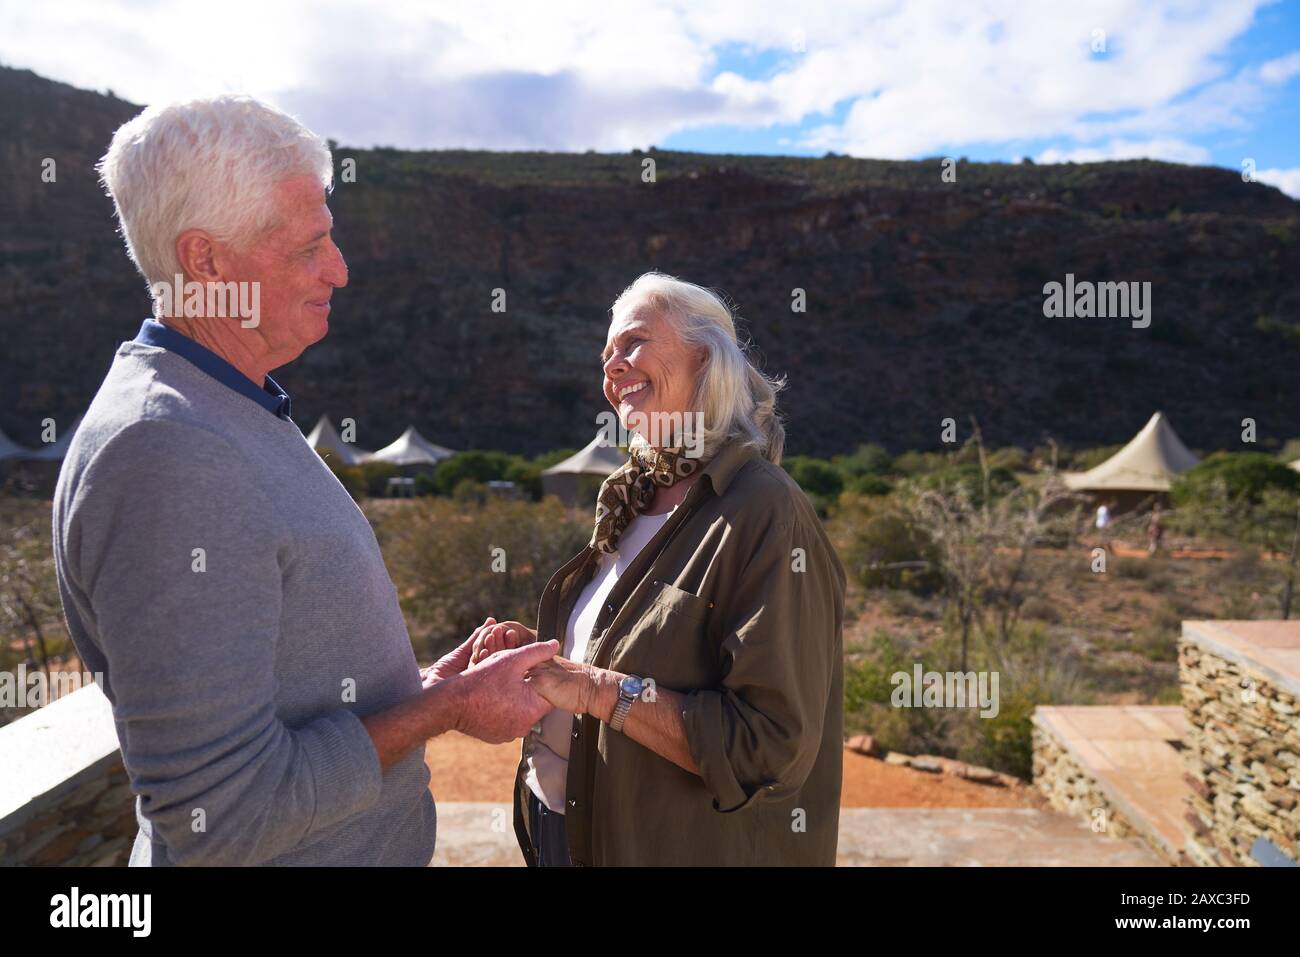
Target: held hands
(568,685)
(493,704)
(491,637)
(454,662)
(575,687)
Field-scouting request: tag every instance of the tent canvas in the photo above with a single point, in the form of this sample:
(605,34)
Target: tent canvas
(596,458)
(1148,463)
(9,449)
(411,448)
(576,480)
(325,436)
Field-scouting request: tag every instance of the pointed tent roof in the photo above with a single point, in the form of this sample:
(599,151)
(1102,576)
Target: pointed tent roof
(9,449)
(1148,463)
(596,459)
(54,451)
(325,436)
(411,448)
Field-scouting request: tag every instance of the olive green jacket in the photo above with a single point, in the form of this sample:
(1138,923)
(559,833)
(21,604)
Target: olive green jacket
(738,603)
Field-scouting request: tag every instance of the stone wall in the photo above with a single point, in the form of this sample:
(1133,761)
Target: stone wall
(1243,754)
(64,795)
(93,825)
(1071,790)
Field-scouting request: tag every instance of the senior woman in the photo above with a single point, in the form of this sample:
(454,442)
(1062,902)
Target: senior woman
(698,702)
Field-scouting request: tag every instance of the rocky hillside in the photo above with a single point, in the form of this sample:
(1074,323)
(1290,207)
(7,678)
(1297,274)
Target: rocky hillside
(924,297)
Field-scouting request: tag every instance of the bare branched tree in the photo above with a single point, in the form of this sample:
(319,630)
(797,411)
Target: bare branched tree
(986,537)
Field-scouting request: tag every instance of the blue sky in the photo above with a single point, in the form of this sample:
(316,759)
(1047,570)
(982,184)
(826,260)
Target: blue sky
(1270,133)
(1197,81)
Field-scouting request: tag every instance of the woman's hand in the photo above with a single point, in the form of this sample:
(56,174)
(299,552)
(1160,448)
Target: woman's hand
(499,637)
(454,662)
(575,687)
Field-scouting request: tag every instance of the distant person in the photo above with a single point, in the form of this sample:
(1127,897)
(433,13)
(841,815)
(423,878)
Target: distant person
(1103,516)
(1155,530)
(708,573)
(263,685)
(1103,524)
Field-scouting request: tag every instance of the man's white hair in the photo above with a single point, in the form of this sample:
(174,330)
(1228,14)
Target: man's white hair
(208,164)
(736,400)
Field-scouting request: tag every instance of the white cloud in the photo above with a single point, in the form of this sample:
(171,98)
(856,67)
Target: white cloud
(918,77)
(1172,150)
(1287,180)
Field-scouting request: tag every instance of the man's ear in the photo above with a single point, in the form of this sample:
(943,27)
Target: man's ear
(197,254)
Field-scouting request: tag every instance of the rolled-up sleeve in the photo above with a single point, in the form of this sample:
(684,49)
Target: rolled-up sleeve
(181,563)
(757,736)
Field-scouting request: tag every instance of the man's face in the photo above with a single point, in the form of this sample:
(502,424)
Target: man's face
(298,267)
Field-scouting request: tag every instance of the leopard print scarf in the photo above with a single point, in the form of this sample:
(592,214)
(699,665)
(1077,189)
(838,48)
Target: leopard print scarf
(631,489)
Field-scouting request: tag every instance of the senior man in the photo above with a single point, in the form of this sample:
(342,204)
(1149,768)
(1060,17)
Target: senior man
(264,690)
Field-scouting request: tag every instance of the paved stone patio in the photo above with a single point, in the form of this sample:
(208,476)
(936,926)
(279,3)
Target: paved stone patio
(482,835)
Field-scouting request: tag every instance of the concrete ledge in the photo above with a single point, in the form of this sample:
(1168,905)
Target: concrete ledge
(51,752)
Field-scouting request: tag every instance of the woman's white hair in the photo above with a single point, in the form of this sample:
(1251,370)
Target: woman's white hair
(208,164)
(736,400)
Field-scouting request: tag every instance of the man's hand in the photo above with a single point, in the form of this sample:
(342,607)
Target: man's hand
(499,637)
(576,687)
(454,662)
(493,702)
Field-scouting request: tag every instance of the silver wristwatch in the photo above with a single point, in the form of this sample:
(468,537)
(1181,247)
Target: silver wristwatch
(629,689)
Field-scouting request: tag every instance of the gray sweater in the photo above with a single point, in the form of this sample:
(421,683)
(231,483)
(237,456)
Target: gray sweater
(235,600)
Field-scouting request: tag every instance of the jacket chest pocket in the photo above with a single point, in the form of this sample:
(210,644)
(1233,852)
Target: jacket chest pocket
(669,640)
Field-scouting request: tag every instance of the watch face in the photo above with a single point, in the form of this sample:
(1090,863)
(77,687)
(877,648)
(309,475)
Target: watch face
(631,685)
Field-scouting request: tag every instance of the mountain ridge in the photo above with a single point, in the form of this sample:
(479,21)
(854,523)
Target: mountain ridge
(924,297)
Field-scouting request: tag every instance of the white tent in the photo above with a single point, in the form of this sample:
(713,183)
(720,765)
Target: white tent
(325,436)
(1149,463)
(566,479)
(9,449)
(411,448)
(54,451)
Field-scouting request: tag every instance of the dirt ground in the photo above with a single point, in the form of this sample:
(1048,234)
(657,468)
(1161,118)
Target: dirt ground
(464,769)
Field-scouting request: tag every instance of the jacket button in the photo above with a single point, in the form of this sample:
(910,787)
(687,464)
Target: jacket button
(609,607)
(573,802)
(575,732)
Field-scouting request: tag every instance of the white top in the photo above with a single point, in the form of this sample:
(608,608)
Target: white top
(547,753)
(1103,516)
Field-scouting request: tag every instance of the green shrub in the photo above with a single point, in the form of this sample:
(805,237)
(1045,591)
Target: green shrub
(375,476)
(815,476)
(475,464)
(441,556)
(868,485)
(870,459)
(969,476)
(880,548)
(1241,477)
(1006,740)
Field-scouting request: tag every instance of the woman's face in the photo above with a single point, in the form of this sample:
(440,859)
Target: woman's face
(648,369)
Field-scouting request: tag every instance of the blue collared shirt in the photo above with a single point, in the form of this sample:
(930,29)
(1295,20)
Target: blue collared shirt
(270,397)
